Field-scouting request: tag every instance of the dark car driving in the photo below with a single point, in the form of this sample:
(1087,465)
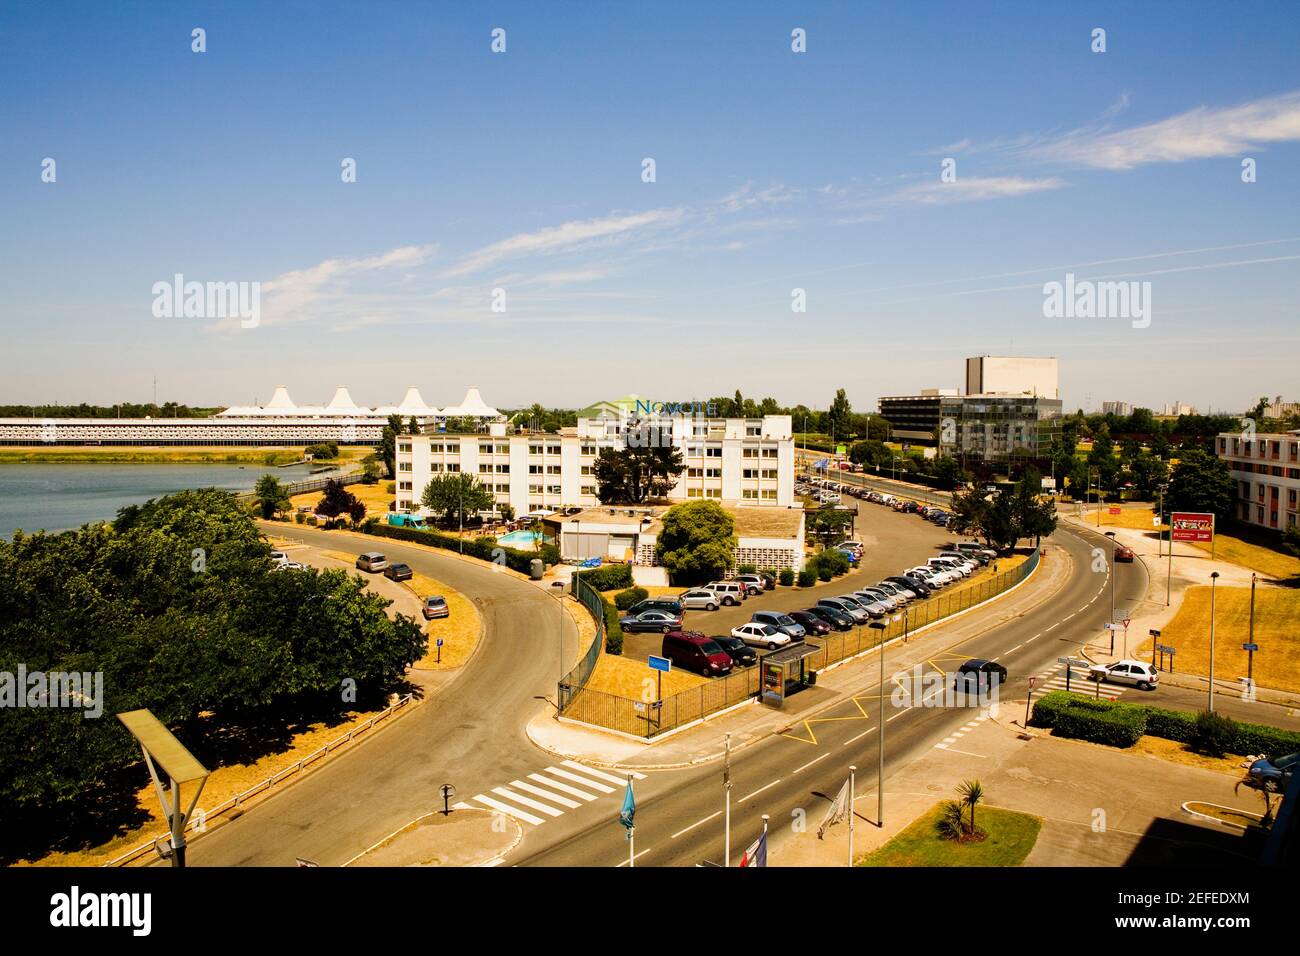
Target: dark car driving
(398,572)
(980,673)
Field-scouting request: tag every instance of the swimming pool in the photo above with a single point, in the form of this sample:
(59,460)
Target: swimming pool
(519,539)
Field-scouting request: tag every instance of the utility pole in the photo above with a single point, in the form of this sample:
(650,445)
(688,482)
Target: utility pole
(1214,578)
(726,786)
(852,772)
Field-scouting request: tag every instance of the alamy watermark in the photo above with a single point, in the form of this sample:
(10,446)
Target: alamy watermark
(71,690)
(208,300)
(1088,299)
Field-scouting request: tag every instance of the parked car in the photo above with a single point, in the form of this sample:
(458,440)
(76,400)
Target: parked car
(399,571)
(1274,773)
(976,548)
(873,607)
(1126,671)
(435,606)
(1123,554)
(761,635)
(913,584)
(672,606)
(813,625)
(879,596)
(897,591)
(279,557)
(372,561)
(698,599)
(931,576)
(729,592)
(980,673)
(769,580)
(781,621)
(741,654)
(962,570)
(754,582)
(975,560)
(693,651)
(854,610)
(651,621)
(836,619)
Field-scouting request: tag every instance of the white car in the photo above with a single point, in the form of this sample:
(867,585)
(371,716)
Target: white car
(697,599)
(947,564)
(932,575)
(878,595)
(1127,671)
(761,635)
(904,595)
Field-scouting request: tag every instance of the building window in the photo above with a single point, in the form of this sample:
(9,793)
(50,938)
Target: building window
(404,449)
(403,466)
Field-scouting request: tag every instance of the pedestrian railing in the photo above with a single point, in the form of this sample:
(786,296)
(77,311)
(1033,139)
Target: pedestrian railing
(648,719)
(199,820)
(572,685)
(312,484)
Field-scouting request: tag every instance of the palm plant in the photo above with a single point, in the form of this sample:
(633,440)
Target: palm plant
(972,792)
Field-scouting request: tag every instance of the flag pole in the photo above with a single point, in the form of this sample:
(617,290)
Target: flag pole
(852,770)
(726,783)
(631,833)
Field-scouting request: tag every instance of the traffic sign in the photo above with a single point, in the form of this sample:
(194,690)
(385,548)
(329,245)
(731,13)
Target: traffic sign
(660,664)
(1072,662)
(1250,647)
(1126,621)
(1112,626)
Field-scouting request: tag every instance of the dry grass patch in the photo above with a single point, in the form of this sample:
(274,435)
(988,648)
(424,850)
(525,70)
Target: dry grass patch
(624,677)
(459,631)
(1275,564)
(375,497)
(1180,753)
(1277,663)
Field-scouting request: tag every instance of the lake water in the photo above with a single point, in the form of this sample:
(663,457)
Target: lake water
(56,497)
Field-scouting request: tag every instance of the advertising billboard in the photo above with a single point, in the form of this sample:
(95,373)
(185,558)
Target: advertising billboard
(1192,526)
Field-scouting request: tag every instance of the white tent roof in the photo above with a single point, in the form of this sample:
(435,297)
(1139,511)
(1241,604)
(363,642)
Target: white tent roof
(342,401)
(281,399)
(472,406)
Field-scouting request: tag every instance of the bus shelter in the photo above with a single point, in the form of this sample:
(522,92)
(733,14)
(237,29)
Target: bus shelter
(786,672)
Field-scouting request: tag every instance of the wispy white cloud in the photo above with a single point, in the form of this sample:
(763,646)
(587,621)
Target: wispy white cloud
(1201,133)
(973,189)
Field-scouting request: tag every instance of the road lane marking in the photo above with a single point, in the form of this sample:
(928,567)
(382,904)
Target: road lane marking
(600,775)
(509,810)
(582,780)
(527,802)
(716,813)
(858,737)
(636,857)
(813,761)
(538,791)
(761,789)
(562,787)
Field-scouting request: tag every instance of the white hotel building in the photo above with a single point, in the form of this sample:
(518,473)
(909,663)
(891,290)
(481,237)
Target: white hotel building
(1266,468)
(735,461)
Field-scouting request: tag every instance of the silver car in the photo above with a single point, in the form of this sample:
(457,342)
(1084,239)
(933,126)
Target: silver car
(879,596)
(699,599)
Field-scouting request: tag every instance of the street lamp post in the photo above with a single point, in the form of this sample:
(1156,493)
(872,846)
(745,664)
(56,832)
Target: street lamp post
(1214,578)
(559,595)
(726,786)
(1111,535)
(880,764)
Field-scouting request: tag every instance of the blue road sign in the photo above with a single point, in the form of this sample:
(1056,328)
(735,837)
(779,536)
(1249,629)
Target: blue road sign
(660,664)
(440,642)
(1250,647)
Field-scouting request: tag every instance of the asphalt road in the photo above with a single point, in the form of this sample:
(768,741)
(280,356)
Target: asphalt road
(679,820)
(470,734)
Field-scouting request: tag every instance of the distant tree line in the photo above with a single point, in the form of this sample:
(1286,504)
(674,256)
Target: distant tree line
(124,410)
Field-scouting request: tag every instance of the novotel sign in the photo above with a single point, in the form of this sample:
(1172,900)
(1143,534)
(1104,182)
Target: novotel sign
(707,409)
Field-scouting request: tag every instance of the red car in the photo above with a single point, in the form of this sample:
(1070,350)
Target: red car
(1123,554)
(694,651)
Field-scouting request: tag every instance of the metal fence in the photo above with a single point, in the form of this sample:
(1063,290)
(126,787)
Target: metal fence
(312,484)
(572,684)
(650,718)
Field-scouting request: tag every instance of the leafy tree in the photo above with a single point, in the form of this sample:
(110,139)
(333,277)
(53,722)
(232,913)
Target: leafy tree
(337,500)
(1147,473)
(838,418)
(1102,460)
(633,474)
(413,427)
(455,495)
(1291,538)
(697,543)
(388,444)
(1202,482)
(869,453)
(972,792)
(948,472)
(830,523)
(272,497)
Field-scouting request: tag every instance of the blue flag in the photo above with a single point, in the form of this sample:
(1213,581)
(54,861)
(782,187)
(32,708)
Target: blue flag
(626,815)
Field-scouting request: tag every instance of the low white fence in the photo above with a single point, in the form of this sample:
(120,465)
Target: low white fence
(266,784)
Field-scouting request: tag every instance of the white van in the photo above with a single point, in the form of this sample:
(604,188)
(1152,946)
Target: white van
(728,592)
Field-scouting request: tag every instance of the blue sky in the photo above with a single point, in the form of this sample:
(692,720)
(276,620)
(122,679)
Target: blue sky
(521,171)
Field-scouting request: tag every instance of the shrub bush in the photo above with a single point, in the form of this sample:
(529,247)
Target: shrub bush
(1102,722)
(608,577)
(1213,733)
(787,577)
(823,570)
(613,631)
(747,569)
(625,599)
(807,578)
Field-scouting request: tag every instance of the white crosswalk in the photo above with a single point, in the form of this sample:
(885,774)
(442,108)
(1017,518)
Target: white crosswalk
(549,793)
(1054,679)
(966,728)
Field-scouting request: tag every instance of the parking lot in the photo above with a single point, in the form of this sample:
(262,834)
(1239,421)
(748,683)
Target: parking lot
(893,541)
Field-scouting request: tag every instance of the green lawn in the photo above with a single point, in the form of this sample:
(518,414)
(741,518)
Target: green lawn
(1011,836)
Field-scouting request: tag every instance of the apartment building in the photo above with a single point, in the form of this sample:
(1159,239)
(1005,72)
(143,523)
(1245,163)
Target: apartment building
(1266,468)
(736,460)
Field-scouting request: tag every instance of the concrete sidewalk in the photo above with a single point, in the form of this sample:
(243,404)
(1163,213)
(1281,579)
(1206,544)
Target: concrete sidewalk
(1191,568)
(751,721)
(1088,819)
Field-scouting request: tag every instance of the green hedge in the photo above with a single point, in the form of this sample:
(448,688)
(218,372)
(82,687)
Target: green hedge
(625,599)
(608,577)
(613,630)
(787,577)
(485,549)
(1120,724)
(807,578)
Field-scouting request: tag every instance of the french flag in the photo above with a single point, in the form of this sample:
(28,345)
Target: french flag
(756,855)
